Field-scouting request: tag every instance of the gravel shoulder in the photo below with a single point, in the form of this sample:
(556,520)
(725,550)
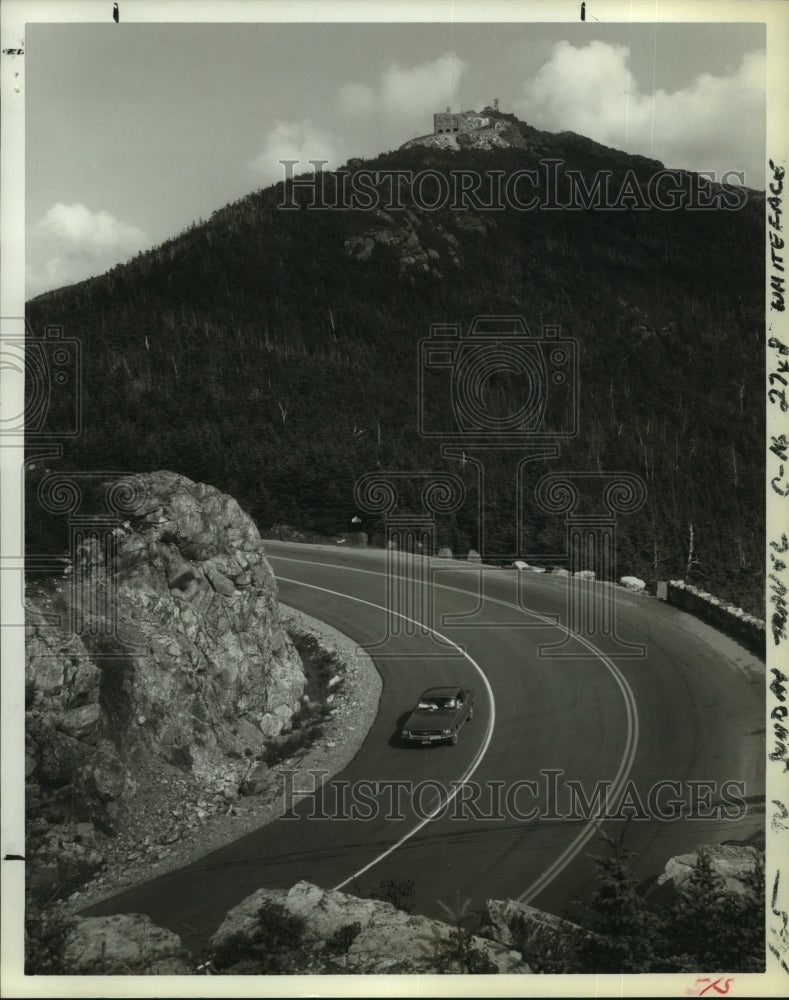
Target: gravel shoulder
(166,794)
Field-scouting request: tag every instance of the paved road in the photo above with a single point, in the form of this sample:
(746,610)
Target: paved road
(691,711)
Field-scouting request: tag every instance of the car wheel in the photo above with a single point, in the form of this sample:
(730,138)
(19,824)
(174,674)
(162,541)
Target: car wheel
(454,738)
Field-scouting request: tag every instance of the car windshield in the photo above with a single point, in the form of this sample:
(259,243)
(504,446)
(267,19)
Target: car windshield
(432,704)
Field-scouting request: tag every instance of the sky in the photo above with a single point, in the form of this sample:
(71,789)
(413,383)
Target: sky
(134,130)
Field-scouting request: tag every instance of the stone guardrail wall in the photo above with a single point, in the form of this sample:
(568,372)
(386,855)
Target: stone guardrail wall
(735,622)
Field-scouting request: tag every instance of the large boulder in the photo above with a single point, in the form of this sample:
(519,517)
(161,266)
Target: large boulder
(181,655)
(196,589)
(125,944)
(59,673)
(733,863)
(536,934)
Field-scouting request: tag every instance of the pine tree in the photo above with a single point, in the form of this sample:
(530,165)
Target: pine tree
(715,929)
(626,934)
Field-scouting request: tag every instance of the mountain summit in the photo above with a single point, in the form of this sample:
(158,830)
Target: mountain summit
(491,129)
(487,130)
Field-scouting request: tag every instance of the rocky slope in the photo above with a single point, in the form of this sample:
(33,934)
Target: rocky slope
(330,932)
(309,930)
(180,669)
(175,820)
(343,933)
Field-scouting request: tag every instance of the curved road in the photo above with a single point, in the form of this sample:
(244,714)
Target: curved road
(510,812)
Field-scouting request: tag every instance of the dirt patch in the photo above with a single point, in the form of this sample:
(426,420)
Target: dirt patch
(175,822)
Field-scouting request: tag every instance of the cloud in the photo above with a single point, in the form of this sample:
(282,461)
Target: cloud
(70,243)
(400,97)
(300,141)
(356,99)
(714,123)
(405,93)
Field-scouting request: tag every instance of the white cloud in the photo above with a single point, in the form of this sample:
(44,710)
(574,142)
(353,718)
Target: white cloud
(70,243)
(406,93)
(356,99)
(300,141)
(714,123)
(401,97)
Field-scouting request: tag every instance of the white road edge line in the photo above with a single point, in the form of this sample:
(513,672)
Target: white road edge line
(480,753)
(631,743)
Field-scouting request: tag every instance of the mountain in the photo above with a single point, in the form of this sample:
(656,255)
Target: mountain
(275,350)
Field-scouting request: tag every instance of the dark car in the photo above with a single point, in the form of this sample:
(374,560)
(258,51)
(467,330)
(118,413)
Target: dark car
(438,715)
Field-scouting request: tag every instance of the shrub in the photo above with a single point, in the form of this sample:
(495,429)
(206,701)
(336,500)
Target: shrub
(399,894)
(457,952)
(273,948)
(707,928)
(343,938)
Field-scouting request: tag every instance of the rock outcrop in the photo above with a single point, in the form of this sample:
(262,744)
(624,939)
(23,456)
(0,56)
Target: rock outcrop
(125,944)
(402,238)
(194,583)
(482,130)
(542,938)
(309,930)
(521,926)
(181,658)
(383,939)
(733,863)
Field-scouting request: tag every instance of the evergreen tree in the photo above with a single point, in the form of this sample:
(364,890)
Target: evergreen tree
(714,929)
(626,933)
(707,927)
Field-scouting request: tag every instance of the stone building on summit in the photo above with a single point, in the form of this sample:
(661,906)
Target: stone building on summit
(461,121)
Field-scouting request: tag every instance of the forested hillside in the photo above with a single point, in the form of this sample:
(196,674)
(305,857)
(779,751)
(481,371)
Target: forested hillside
(275,355)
